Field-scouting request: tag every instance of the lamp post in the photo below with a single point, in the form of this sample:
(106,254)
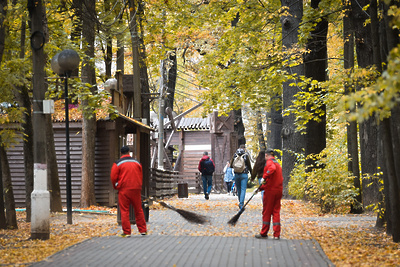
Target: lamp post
(63,64)
(111,85)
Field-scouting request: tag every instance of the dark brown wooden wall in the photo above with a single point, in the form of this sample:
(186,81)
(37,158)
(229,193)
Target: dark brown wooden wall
(107,151)
(16,160)
(75,139)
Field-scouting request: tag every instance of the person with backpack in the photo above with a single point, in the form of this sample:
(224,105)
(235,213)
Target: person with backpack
(241,165)
(207,168)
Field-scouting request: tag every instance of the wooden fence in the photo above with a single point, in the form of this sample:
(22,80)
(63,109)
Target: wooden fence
(165,183)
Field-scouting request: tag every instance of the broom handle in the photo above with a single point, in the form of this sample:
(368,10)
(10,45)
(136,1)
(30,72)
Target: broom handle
(160,202)
(254,193)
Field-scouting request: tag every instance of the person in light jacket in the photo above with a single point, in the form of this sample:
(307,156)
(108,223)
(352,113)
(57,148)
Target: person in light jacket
(228,177)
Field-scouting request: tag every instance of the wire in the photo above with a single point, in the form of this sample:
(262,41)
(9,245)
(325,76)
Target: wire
(187,97)
(198,86)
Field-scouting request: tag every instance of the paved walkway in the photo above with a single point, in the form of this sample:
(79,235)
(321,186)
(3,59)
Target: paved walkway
(175,242)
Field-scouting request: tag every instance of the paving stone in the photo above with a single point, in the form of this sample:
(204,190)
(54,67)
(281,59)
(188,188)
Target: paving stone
(171,243)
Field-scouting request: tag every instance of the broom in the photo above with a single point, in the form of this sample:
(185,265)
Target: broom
(188,215)
(235,218)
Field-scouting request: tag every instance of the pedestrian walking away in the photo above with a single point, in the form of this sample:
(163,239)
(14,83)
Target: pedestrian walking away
(228,177)
(127,178)
(207,168)
(241,165)
(258,169)
(272,184)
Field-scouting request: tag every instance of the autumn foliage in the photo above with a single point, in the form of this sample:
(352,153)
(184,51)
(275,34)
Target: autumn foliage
(348,240)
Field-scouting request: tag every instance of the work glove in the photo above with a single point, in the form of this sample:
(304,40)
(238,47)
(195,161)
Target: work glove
(256,191)
(262,181)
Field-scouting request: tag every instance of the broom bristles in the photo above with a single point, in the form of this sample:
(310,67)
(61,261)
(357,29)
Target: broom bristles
(188,215)
(192,217)
(235,218)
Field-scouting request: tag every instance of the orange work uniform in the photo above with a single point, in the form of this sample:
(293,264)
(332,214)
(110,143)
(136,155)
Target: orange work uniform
(127,178)
(272,187)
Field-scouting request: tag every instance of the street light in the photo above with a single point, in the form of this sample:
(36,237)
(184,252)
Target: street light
(111,85)
(63,64)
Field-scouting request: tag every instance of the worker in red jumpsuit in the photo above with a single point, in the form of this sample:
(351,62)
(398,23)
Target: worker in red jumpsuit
(127,178)
(272,186)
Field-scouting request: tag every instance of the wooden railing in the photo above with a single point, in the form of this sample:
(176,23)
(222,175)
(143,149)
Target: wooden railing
(165,183)
(218,183)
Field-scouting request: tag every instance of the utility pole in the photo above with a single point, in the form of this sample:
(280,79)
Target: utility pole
(161,116)
(40,197)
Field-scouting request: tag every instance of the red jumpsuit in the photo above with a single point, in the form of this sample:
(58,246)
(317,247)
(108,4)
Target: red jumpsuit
(272,197)
(127,178)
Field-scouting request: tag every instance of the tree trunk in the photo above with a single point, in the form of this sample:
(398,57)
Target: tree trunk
(143,67)
(11,216)
(352,140)
(389,40)
(89,120)
(377,60)
(22,94)
(137,91)
(395,143)
(40,223)
(315,65)
(368,129)
(391,137)
(53,181)
(292,141)
(393,185)
(3,3)
(3,224)
(171,84)
(76,27)
(274,133)
(108,54)
(28,147)
(260,132)
(239,127)
(3,12)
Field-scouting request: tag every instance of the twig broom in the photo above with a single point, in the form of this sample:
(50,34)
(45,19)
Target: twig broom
(188,215)
(235,218)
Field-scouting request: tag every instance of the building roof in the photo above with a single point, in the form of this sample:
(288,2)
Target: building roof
(187,124)
(136,122)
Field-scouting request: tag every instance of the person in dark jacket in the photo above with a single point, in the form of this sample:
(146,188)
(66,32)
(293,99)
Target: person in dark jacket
(206,167)
(242,177)
(272,184)
(127,178)
(258,169)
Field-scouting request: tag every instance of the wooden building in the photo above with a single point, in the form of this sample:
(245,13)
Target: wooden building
(192,136)
(110,136)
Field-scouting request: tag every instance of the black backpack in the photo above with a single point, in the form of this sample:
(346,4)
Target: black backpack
(208,167)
